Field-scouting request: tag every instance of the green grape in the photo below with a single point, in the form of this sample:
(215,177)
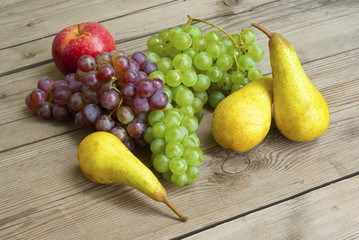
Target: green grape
(189,77)
(184,131)
(164,34)
(178,88)
(179,180)
(229,45)
(157,74)
(161,163)
(172,120)
(174,134)
(182,41)
(214,49)
(178,166)
(172,32)
(194,31)
(256,52)
(153,57)
(187,110)
(195,138)
(164,65)
(174,149)
(189,142)
(202,83)
(215,98)
(168,91)
(153,157)
(168,107)
(190,52)
(199,44)
(212,36)
(249,36)
(153,42)
(173,78)
(190,123)
(201,95)
(184,97)
(245,63)
(160,50)
(225,83)
(159,130)
(192,172)
(158,146)
(167,175)
(237,77)
(193,156)
(214,74)
(148,135)
(236,87)
(182,62)
(175,112)
(203,61)
(225,62)
(212,87)
(254,73)
(171,49)
(197,105)
(155,116)
(237,38)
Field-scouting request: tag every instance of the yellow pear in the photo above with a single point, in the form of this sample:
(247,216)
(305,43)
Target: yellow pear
(103,158)
(242,120)
(300,110)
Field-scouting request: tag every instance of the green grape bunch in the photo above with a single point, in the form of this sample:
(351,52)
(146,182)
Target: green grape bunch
(197,69)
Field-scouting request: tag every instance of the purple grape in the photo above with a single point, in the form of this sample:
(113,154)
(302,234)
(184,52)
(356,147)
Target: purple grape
(141,75)
(104,123)
(149,67)
(75,86)
(61,96)
(134,66)
(145,87)
(80,75)
(140,105)
(46,84)
(86,63)
(29,104)
(139,57)
(76,102)
(130,77)
(158,100)
(45,111)
(90,95)
(91,79)
(104,57)
(37,98)
(60,112)
(61,84)
(130,144)
(110,99)
(80,121)
(158,84)
(90,113)
(140,142)
(136,128)
(121,63)
(70,77)
(125,114)
(120,132)
(129,91)
(105,72)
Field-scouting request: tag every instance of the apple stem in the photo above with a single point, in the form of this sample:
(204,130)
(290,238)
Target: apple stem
(264,30)
(80,30)
(175,210)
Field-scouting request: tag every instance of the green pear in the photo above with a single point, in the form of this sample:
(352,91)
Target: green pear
(300,110)
(103,158)
(242,120)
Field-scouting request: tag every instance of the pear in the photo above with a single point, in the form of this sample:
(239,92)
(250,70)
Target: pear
(300,110)
(104,159)
(242,120)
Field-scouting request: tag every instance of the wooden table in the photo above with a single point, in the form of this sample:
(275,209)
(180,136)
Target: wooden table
(279,190)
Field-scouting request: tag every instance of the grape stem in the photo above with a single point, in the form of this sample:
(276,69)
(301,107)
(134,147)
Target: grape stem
(236,46)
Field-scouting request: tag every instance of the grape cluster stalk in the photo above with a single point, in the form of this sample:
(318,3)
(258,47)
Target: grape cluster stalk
(156,97)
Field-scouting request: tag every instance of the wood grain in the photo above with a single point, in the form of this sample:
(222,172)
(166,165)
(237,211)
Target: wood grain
(279,190)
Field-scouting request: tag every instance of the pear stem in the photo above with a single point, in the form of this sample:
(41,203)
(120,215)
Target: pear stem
(264,30)
(175,210)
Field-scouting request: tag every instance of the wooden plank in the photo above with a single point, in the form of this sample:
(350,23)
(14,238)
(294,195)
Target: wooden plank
(327,213)
(233,18)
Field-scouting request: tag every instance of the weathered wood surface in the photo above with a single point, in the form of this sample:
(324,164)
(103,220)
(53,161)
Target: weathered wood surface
(272,191)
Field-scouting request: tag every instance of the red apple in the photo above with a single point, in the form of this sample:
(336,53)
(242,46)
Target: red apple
(89,38)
